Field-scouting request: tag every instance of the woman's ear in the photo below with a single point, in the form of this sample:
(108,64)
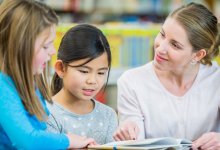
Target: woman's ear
(200,55)
(59,68)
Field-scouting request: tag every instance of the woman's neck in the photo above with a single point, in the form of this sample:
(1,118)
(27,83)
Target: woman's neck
(178,82)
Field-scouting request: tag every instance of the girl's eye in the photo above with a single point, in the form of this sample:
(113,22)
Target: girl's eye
(45,47)
(83,71)
(101,73)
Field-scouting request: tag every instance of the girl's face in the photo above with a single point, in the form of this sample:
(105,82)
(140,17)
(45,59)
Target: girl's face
(84,82)
(44,49)
(173,50)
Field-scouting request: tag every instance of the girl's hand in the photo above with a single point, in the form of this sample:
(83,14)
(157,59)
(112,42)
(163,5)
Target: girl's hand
(93,143)
(77,141)
(208,141)
(127,131)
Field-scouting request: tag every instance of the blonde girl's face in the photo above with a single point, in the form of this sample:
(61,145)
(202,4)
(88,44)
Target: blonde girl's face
(44,49)
(84,82)
(172,48)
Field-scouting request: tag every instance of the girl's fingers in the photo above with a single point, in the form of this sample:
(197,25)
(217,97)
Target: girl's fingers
(90,141)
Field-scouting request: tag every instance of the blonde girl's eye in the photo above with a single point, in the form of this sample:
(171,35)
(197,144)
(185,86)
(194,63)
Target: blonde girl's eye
(45,47)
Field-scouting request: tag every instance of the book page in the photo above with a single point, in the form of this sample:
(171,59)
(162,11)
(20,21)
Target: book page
(154,143)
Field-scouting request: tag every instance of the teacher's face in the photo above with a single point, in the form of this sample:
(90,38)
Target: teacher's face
(172,49)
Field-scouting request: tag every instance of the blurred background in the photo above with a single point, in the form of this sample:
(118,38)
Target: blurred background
(104,11)
(130,26)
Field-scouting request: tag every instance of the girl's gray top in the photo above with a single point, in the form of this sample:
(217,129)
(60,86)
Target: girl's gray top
(99,124)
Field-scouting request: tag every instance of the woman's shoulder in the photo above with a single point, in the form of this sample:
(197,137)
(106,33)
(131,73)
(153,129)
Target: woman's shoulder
(138,72)
(209,75)
(213,70)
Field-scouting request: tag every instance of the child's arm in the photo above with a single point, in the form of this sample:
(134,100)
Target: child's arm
(53,125)
(112,126)
(23,131)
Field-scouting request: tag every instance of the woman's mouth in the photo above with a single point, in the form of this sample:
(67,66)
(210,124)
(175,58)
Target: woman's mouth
(160,58)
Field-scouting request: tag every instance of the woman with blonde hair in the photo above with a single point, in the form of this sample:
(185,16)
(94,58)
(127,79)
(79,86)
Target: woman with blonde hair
(177,94)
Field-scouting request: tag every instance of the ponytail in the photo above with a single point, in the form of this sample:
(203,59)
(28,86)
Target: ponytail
(214,49)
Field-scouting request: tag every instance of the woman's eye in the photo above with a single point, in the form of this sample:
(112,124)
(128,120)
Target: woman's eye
(162,34)
(176,45)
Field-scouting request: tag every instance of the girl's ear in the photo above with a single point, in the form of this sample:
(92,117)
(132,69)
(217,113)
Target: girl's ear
(59,68)
(200,54)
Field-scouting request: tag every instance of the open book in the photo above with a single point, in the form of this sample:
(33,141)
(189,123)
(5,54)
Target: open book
(154,143)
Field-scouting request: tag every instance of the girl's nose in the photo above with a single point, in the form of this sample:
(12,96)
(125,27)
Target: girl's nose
(91,79)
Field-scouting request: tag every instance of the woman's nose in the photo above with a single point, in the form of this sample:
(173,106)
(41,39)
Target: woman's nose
(162,47)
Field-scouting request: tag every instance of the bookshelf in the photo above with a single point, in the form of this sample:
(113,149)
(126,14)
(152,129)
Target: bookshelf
(102,11)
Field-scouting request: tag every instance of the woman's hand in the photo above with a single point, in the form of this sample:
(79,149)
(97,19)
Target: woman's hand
(127,131)
(77,141)
(208,141)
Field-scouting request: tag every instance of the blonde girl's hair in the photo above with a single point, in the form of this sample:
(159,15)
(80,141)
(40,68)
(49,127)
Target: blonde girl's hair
(21,21)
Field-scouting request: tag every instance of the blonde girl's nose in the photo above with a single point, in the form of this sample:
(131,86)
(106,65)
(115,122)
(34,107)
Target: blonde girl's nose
(52,51)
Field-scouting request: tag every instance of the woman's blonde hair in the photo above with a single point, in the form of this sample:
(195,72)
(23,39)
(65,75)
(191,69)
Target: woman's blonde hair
(201,27)
(21,21)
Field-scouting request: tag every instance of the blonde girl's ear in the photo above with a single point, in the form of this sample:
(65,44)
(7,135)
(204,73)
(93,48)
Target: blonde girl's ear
(59,68)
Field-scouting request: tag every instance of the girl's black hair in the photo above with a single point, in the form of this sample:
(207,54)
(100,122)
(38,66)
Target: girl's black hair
(81,42)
